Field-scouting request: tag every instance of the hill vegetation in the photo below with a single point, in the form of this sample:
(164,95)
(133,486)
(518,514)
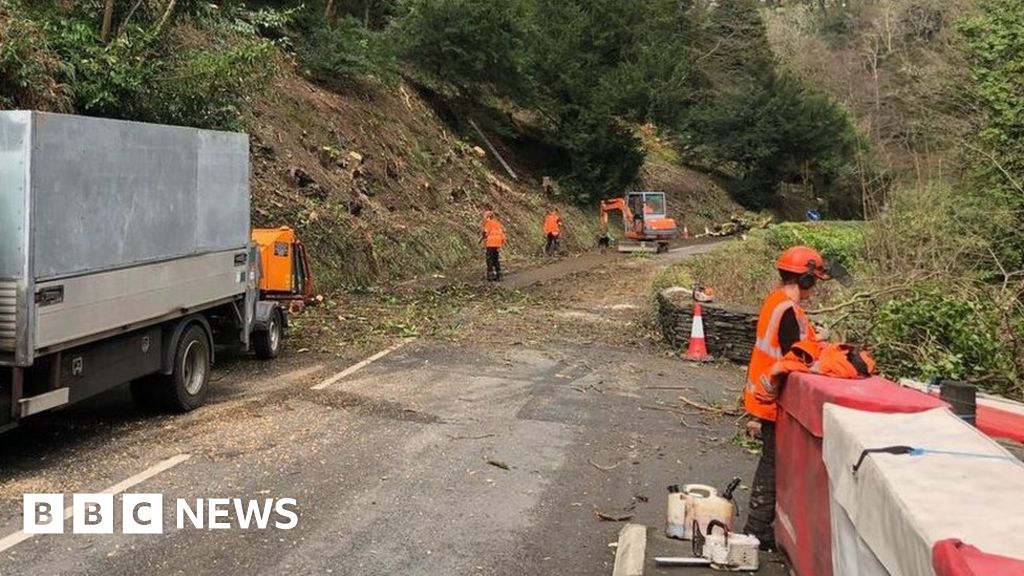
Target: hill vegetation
(932,85)
(568,81)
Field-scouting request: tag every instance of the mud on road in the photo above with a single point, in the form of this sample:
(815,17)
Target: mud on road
(488,445)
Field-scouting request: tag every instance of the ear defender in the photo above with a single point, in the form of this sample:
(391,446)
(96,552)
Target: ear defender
(809,279)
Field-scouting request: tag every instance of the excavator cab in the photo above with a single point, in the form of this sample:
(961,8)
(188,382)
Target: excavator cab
(644,216)
(284,265)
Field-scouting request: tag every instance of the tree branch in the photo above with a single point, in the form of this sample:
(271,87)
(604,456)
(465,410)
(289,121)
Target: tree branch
(128,18)
(167,16)
(1013,181)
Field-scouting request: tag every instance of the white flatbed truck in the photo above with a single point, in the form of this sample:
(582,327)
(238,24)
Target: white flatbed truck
(125,256)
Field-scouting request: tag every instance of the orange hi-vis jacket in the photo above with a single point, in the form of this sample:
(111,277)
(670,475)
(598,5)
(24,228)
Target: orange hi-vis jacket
(837,360)
(494,233)
(552,224)
(760,394)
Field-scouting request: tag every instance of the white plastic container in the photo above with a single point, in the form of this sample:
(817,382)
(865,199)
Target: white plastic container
(705,505)
(676,516)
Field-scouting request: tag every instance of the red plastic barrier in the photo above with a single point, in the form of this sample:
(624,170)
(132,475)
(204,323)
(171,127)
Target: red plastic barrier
(1001,424)
(803,527)
(954,558)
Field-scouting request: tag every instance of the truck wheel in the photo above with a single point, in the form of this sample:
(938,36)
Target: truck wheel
(185,388)
(268,342)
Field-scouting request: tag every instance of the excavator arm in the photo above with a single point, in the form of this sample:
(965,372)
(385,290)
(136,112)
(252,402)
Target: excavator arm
(614,205)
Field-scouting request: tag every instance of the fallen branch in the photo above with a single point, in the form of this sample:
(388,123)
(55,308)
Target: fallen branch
(862,297)
(669,409)
(481,437)
(692,427)
(612,517)
(605,468)
(706,408)
(668,387)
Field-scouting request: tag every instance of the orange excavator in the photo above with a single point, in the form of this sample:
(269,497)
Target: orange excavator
(647,227)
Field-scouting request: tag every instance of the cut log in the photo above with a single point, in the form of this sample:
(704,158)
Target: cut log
(629,556)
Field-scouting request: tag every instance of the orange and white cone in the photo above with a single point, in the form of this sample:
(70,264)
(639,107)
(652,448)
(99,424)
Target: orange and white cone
(686,232)
(698,349)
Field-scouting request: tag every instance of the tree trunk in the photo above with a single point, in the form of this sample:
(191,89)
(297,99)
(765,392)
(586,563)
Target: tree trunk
(167,16)
(366,13)
(328,10)
(108,16)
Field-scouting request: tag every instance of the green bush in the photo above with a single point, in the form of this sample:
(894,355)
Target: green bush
(463,48)
(30,72)
(841,242)
(995,53)
(942,333)
(738,272)
(345,50)
(773,130)
(52,58)
(605,156)
(209,87)
(106,79)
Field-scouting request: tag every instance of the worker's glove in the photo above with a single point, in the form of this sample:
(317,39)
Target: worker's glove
(754,429)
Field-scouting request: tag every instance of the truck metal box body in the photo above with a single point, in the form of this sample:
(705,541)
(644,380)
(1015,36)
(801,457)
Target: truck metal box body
(108,225)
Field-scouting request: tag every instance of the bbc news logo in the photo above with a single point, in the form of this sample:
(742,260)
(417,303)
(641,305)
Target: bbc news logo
(144,514)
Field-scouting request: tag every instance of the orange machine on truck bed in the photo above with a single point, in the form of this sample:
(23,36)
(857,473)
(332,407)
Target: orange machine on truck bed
(285,273)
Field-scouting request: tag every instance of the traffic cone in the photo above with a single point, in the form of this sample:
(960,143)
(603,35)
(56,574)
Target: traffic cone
(698,349)
(686,232)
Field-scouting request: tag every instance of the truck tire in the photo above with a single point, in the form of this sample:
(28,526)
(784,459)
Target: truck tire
(267,343)
(185,388)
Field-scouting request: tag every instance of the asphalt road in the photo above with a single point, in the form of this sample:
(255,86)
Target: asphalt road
(492,455)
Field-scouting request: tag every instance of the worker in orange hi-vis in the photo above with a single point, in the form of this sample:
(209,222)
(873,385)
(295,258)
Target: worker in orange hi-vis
(552,230)
(493,238)
(781,324)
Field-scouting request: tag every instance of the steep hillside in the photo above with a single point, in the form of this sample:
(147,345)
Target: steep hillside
(694,198)
(379,189)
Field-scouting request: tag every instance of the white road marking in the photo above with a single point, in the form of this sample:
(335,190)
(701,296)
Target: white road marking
(356,367)
(20,536)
